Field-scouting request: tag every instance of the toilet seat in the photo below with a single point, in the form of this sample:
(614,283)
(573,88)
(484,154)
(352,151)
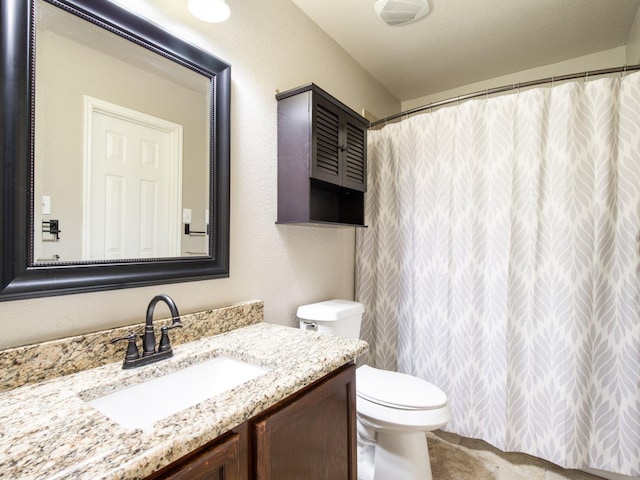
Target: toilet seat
(397,390)
(402,408)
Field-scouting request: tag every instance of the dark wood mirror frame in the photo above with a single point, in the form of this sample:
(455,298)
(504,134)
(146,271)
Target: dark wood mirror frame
(19,277)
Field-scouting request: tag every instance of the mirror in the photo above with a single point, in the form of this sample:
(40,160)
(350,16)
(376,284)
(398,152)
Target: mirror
(131,154)
(117,172)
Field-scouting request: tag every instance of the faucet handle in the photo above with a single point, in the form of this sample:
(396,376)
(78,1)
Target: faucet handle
(165,343)
(132,348)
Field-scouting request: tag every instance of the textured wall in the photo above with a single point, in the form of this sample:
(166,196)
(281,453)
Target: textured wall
(633,43)
(607,59)
(270,45)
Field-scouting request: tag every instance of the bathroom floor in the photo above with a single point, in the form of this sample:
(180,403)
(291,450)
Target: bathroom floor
(457,458)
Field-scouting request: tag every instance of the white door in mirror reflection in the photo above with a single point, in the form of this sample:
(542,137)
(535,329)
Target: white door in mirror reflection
(132,184)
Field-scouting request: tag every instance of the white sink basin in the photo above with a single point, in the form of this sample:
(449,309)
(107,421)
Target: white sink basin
(140,405)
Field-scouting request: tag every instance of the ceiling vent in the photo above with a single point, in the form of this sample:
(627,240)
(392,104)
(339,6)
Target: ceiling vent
(401,12)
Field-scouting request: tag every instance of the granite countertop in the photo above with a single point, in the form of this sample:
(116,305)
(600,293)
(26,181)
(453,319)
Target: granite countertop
(49,432)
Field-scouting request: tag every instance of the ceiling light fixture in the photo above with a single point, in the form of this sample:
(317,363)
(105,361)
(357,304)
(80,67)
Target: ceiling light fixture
(212,11)
(401,12)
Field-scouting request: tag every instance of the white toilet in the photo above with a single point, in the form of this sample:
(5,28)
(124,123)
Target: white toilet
(394,410)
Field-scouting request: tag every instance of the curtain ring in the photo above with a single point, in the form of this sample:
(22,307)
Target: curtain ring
(586,77)
(518,90)
(624,71)
(458,101)
(551,81)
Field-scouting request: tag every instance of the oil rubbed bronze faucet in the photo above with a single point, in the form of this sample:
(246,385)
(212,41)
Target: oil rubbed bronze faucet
(149,355)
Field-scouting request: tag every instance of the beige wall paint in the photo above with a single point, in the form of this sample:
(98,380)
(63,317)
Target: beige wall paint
(632,53)
(607,59)
(271,46)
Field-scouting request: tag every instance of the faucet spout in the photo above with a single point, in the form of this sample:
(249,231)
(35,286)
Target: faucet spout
(175,316)
(149,338)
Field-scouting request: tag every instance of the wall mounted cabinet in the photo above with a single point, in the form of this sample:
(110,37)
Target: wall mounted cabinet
(322,159)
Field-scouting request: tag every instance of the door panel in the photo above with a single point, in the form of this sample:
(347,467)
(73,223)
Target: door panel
(132,189)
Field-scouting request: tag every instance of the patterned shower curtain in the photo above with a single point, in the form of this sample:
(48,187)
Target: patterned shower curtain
(502,263)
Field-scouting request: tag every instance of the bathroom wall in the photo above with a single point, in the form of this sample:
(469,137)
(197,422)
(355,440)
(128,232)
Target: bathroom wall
(614,57)
(628,54)
(271,46)
(632,48)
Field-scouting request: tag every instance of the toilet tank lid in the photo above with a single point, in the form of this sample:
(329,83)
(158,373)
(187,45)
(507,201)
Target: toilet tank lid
(330,310)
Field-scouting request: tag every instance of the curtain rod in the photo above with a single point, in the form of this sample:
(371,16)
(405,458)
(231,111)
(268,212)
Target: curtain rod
(506,88)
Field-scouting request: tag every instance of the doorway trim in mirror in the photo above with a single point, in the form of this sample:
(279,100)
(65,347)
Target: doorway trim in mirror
(22,278)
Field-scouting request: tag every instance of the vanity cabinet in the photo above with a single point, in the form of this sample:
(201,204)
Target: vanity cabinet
(222,459)
(310,435)
(322,159)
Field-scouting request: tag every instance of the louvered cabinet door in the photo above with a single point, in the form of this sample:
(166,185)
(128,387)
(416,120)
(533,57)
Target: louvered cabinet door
(327,143)
(354,171)
(339,147)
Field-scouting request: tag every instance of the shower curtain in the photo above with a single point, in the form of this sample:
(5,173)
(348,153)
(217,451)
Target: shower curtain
(502,264)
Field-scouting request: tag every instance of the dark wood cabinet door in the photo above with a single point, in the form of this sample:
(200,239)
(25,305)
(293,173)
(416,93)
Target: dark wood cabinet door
(327,141)
(312,437)
(339,154)
(223,459)
(354,171)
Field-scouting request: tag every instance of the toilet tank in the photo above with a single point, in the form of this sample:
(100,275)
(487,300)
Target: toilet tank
(337,317)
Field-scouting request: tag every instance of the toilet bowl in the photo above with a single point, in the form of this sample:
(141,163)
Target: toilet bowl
(394,410)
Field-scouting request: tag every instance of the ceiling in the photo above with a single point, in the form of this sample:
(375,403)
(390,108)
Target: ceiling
(466,41)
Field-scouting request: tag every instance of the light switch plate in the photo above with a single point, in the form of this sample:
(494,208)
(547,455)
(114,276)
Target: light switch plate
(46,205)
